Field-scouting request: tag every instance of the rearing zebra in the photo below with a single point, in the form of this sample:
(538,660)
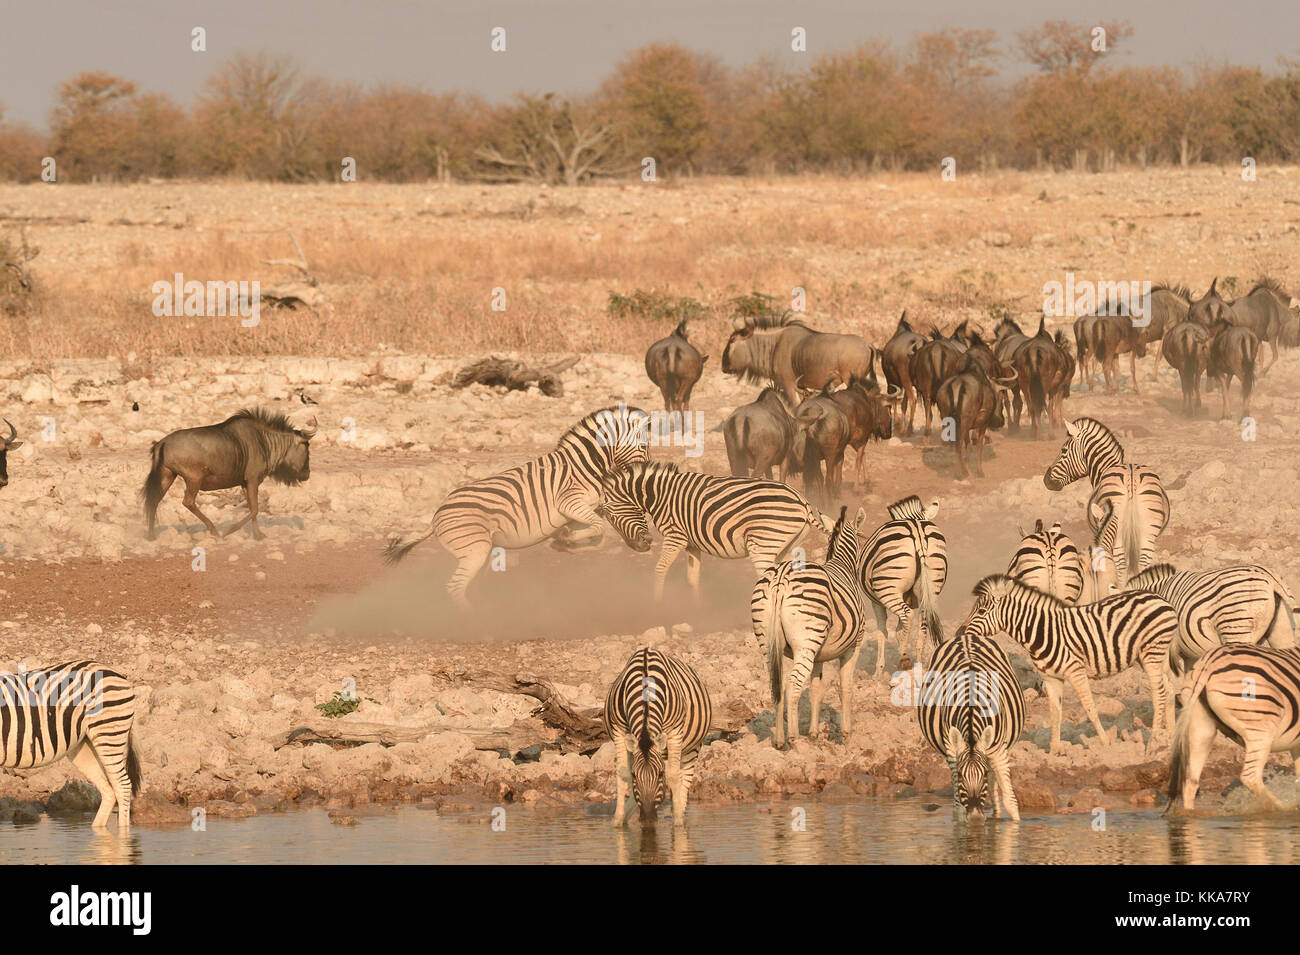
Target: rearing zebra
(543,498)
(904,565)
(1047,560)
(811,613)
(1071,644)
(701,514)
(1128,507)
(80,710)
(657,712)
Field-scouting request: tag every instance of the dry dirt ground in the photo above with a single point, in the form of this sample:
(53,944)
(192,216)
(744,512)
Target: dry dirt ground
(233,646)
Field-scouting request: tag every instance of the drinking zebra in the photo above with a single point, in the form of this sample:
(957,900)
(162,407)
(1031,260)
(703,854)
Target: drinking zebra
(657,712)
(1047,560)
(1071,644)
(971,712)
(1242,604)
(1250,694)
(80,710)
(728,517)
(1128,506)
(544,498)
(811,613)
(902,566)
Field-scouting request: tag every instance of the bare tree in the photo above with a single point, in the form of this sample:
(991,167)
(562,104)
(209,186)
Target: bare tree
(551,140)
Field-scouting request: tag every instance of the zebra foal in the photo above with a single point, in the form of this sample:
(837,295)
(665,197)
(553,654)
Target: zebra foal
(657,712)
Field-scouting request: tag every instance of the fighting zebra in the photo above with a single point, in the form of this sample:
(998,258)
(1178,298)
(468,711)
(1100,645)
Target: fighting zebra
(80,710)
(554,496)
(1071,644)
(1128,506)
(729,517)
(971,712)
(1047,560)
(1242,604)
(903,566)
(811,613)
(1250,694)
(657,712)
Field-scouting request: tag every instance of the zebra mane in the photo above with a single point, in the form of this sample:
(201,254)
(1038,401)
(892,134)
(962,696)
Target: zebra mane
(627,419)
(1012,587)
(1099,429)
(842,527)
(909,508)
(1152,575)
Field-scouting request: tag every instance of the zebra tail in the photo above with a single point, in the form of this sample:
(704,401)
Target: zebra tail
(775,635)
(133,771)
(1132,547)
(925,597)
(399,547)
(1178,749)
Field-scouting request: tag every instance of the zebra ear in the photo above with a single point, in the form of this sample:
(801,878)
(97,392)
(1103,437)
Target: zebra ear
(985,739)
(860,518)
(931,512)
(956,742)
(1071,429)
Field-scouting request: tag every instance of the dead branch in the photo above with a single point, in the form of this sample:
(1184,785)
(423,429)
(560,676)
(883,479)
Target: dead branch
(510,738)
(514,375)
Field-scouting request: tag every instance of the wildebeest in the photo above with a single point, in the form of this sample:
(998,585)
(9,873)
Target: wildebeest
(971,400)
(871,415)
(1186,348)
(1007,339)
(933,363)
(823,434)
(896,362)
(242,451)
(1110,336)
(785,351)
(760,436)
(1082,349)
(7,444)
(675,365)
(1166,307)
(1233,351)
(1040,373)
(1067,362)
(1265,309)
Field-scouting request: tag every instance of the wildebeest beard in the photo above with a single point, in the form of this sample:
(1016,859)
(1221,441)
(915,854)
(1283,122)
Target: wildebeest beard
(762,346)
(283,473)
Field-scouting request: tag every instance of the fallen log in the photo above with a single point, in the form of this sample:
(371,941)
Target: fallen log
(514,375)
(510,738)
(581,725)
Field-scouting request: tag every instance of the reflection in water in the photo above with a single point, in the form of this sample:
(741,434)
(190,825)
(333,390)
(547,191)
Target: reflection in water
(916,831)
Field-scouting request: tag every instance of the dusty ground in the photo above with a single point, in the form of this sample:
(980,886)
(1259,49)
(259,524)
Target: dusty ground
(228,658)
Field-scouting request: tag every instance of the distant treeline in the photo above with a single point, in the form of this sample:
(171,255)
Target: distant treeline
(876,107)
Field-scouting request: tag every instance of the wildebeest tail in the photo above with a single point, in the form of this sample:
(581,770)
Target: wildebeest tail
(737,455)
(133,772)
(399,547)
(153,488)
(1247,372)
(1036,393)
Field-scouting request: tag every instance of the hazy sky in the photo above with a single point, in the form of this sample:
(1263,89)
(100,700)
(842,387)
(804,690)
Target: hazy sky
(563,45)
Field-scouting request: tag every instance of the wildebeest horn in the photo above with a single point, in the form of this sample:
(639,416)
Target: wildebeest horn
(13,432)
(309,429)
(893,393)
(738,323)
(1213,286)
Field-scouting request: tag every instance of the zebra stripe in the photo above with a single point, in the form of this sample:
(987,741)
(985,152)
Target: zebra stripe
(971,712)
(903,565)
(1047,560)
(728,517)
(1128,508)
(1241,604)
(811,613)
(529,503)
(657,712)
(1071,644)
(1252,696)
(79,710)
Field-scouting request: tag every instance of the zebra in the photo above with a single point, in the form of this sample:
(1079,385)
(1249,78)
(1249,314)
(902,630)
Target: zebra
(1250,694)
(544,498)
(811,613)
(657,712)
(728,517)
(1047,560)
(1128,504)
(1071,644)
(80,710)
(971,712)
(902,566)
(1245,603)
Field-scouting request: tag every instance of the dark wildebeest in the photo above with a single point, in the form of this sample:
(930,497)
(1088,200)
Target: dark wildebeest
(241,451)
(1083,357)
(896,361)
(824,430)
(933,363)
(7,444)
(760,436)
(871,415)
(675,365)
(784,351)
(1234,350)
(1266,310)
(1067,362)
(1040,372)
(1186,347)
(970,398)
(1111,336)
(1007,339)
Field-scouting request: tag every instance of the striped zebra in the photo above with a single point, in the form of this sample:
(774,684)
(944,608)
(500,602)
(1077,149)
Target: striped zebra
(1071,644)
(903,566)
(1241,604)
(657,712)
(541,499)
(1249,694)
(1128,507)
(80,710)
(811,613)
(971,712)
(728,517)
(1047,560)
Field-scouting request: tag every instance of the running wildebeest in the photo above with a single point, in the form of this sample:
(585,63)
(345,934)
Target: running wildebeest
(7,444)
(675,365)
(1234,350)
(783,350)
(933,363)
(1040,373)
(242,451)
(760,436)
(896,361)
(1186,347)
(971,400)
